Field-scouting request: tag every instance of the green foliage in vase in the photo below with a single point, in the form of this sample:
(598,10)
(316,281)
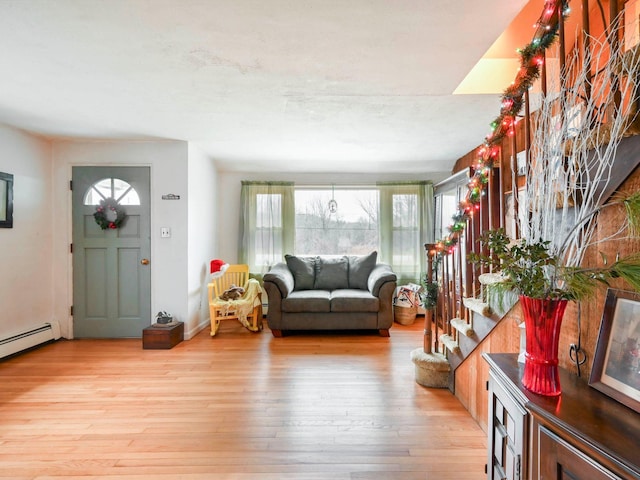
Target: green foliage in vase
(535,271)
(525,268)
(569,172)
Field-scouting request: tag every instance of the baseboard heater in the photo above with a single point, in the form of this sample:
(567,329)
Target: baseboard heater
(29,338)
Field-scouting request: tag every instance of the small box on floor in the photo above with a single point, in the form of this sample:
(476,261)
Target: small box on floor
(162,336)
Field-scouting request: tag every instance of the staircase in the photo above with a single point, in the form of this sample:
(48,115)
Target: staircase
(461,336)
(467,308)
(463,317)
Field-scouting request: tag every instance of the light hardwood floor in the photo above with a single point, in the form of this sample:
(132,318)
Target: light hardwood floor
(237,406)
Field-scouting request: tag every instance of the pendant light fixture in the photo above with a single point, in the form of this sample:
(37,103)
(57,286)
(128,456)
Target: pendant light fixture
(333,205)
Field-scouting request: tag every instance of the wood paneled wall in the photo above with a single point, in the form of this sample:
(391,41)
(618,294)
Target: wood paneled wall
(472,375)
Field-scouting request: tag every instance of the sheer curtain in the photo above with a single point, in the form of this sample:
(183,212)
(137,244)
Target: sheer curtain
(267,220)
(406,223)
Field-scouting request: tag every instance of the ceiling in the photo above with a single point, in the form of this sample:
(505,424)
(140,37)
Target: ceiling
(261,85)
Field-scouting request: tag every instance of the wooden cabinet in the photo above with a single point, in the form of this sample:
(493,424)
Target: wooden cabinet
(580,435)
(507,429)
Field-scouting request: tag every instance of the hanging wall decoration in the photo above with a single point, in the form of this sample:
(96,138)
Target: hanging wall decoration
(109,214)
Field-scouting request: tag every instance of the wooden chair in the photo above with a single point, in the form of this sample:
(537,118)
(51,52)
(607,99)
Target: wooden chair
(247,309)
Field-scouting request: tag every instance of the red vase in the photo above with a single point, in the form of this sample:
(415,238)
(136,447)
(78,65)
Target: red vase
(542,319)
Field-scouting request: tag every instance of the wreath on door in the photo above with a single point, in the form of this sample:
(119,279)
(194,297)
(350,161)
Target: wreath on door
(109,214)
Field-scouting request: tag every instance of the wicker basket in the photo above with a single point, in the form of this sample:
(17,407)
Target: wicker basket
(405,315)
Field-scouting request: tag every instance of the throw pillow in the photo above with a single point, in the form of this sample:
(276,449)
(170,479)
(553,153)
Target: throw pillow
(303,271)
(332,273)
(359,270)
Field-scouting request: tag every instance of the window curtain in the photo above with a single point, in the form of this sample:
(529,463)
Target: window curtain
(406,213)
(267,217)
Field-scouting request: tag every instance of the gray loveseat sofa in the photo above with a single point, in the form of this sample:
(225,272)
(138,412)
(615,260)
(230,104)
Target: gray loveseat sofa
(330,293)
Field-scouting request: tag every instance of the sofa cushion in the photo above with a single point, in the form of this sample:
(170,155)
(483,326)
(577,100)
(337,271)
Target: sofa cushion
(352,300)
(332,273)
(360,268)
(317,301)
(303,271)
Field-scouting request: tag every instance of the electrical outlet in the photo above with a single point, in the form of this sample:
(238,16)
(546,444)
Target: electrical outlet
(165,232)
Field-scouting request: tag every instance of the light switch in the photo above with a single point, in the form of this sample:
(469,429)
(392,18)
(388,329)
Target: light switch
(165,232)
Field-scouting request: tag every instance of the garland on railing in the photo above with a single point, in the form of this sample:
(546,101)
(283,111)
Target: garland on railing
(531,60)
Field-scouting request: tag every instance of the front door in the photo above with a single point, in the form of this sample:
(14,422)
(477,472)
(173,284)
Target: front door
(111,253)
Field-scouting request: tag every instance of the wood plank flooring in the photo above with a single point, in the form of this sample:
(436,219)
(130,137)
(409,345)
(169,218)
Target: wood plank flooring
(238,406)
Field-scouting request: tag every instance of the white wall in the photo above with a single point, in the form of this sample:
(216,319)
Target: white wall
(26,284)
(229,196)
(34,256)
(203,230)
(168,165)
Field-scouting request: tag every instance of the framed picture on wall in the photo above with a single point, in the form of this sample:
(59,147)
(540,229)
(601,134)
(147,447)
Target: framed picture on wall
(521,163)
(6,200)
(510,215)
(515,222)
(616,363)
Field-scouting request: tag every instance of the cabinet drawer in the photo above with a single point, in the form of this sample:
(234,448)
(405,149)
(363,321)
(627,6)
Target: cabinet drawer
(559,460)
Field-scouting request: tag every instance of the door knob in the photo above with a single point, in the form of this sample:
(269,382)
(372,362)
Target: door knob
(144,261)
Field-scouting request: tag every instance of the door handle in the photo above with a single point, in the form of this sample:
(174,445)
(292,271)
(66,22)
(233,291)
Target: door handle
(144,261)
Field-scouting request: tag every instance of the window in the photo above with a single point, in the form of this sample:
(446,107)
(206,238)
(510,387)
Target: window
(406,231)
(265,210)
(268,236)
(448,195)
(351,230)
(394,219)
(119,190)
(406,224)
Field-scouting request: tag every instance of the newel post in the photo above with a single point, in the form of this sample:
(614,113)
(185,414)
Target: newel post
(428,314)
(431,368)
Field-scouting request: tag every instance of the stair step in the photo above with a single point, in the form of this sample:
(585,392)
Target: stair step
(477,305)
(490,278)
(450,343)
(462,326)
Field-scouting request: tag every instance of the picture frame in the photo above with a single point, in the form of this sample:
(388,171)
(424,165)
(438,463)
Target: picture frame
(521,163)
(510,215)
(616,363)
(6,200)
(513,223)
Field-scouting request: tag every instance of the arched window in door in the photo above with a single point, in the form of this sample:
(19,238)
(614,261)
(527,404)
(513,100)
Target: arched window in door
(121,191)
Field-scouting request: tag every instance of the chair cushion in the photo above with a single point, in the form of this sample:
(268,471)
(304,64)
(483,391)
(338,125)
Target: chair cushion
(332,273)
(303,271)
(351,300)
(360,268)
(317,301)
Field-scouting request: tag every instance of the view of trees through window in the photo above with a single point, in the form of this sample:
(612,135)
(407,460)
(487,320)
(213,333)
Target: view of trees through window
(388,218)
(406,233)
(352,230)
(268,228)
